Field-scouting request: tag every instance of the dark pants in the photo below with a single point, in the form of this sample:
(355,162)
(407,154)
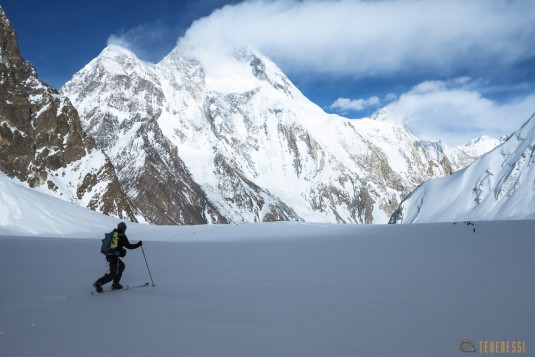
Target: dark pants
(116,271)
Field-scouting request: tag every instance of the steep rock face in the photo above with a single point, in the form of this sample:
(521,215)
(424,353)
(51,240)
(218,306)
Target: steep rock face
(499,185)
(245,200)
(257,148)
(158,182)
(41,136)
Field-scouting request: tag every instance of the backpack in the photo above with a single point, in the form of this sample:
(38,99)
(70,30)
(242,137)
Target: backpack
(109,243)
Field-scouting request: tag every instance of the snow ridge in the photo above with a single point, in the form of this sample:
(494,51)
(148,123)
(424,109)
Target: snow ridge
(499,185)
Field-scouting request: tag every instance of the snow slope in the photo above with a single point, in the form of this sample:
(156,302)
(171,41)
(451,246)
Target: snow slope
(26,211)
(267,289)
(499,185)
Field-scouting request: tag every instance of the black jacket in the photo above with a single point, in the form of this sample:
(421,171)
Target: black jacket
(122,243)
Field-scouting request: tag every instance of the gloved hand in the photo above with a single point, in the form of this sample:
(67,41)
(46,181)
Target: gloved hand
(140,244)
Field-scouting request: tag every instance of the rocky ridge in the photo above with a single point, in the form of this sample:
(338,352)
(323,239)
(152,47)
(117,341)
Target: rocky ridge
(42,141)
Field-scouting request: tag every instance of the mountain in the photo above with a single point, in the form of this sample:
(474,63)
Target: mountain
(463,155)
(242,143)
(42,141)
(499,185)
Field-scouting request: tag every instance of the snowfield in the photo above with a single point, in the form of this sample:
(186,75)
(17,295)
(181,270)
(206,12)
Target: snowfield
(278,289)
(272,289)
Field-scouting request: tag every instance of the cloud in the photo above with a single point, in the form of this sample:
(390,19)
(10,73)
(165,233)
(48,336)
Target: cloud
(346,104)
(354,39)
(391,97)
(363,38)
(455,111)
(150,41)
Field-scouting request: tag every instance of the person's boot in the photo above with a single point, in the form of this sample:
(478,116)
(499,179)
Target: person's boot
(116,286)
(98,286)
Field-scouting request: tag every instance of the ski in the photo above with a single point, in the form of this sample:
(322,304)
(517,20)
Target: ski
(138,286)
(126,287)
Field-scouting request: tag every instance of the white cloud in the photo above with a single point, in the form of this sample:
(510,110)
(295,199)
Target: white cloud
(346,104)
(147,41)
(363,38)
(360,37)
(391,97)
(455,112)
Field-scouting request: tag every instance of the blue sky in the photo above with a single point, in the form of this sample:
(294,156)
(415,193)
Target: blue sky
(450,70)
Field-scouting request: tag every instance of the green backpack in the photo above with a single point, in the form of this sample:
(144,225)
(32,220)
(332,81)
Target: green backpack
(109,243)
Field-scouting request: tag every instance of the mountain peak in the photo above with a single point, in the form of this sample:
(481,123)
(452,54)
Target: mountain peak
(42,142)
(120,58)
(115,50)
(264,69)
(10,58)
(9,48)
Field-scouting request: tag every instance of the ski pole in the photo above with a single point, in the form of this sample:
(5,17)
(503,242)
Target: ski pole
(147,265)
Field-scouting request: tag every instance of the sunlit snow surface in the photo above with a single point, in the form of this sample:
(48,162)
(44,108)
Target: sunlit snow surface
(274,289)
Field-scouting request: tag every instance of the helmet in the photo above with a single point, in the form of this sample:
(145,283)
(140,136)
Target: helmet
(121,227)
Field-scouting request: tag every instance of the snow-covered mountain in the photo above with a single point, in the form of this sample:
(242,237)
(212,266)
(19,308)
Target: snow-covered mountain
(42,142)
(499,185)
(463,155)
(181,143)
(242,144)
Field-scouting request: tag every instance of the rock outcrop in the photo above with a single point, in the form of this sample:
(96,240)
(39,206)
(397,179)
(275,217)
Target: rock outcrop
(42,142)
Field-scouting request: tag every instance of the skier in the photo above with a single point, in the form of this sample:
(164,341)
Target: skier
(119,242)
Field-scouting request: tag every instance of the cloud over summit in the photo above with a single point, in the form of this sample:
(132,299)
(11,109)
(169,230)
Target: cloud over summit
(363,38)
(455,49)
